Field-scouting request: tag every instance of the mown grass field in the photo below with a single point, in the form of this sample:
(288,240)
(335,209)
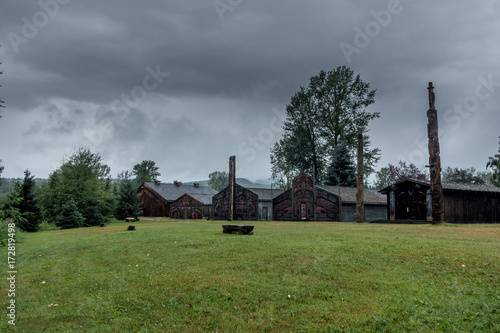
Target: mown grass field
(187,276)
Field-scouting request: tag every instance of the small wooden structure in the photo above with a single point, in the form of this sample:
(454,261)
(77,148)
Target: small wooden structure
(462,203)
(131,228)
(237,229)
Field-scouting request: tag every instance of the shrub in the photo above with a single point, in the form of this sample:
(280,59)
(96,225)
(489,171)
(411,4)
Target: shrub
(70,217)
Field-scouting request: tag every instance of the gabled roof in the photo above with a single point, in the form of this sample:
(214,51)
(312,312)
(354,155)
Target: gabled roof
(266,194)
(449,186)
(171,192)
(348,194)
(205,199)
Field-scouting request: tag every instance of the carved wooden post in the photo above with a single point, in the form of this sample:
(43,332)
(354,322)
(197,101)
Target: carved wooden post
(230,188)
(434,160)
(360,209)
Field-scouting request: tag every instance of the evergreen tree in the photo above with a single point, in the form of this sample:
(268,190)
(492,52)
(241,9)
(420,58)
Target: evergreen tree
(69,216)
(29,205)
(10,206)
(127,203)
(342,171)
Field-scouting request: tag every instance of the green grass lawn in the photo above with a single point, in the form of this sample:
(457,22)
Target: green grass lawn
(187,276)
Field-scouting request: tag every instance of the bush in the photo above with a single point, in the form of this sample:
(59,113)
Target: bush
(92,216)
(69,217)
(4,232)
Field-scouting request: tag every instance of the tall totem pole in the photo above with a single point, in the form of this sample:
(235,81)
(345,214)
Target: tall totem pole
(434,160)
(230,188)
(360,205)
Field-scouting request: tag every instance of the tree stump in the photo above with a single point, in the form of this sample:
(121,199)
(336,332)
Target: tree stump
(131,227)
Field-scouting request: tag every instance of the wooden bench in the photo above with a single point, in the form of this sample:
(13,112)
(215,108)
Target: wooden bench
(130,219)
(237,229)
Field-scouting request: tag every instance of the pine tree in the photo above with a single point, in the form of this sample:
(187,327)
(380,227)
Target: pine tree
(342,171)
(127,205)
(29,205)
(70,217)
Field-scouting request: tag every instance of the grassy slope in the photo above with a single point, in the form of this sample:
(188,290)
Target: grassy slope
(187,276)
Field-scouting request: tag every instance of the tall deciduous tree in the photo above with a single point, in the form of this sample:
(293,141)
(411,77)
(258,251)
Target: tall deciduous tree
(319,118)
(84,179)
(218,180)
(146,171)
(494,165)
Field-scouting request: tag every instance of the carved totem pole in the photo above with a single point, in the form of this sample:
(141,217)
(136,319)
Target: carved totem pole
(360,206)
(434,160)
(230,188)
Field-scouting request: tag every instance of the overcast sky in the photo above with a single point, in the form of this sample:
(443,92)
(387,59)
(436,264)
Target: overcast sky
(189,83)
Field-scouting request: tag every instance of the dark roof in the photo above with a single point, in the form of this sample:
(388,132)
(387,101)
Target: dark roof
(348,194)
(205,199)
(171,192)
(449,186)
(266,194)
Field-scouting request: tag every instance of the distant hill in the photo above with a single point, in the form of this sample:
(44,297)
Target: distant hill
(241,181)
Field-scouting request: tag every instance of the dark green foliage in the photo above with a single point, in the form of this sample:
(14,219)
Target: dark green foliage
(464,176)
(396,173)
(92,215)
(342,171)
(29,205)
(10,206)
(494,164)
(146,171)
(69,216)
(218,180)
(127,203)
(84,179)
(319,118)
(1,170)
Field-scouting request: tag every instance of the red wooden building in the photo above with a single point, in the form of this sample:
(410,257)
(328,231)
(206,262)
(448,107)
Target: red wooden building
(184,201)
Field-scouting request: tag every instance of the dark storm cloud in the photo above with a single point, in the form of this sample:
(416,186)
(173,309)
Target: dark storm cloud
(188,83)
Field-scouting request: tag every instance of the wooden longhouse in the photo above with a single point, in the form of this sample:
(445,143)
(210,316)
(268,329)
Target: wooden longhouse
(306,201)
(249,203)
(463,203)
(176,200)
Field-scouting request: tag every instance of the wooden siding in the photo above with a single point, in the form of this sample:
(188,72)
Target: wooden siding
(305,202)
(463,203)
(245,204)
(471,207)
(327,206)
(152,204)
(186,207)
